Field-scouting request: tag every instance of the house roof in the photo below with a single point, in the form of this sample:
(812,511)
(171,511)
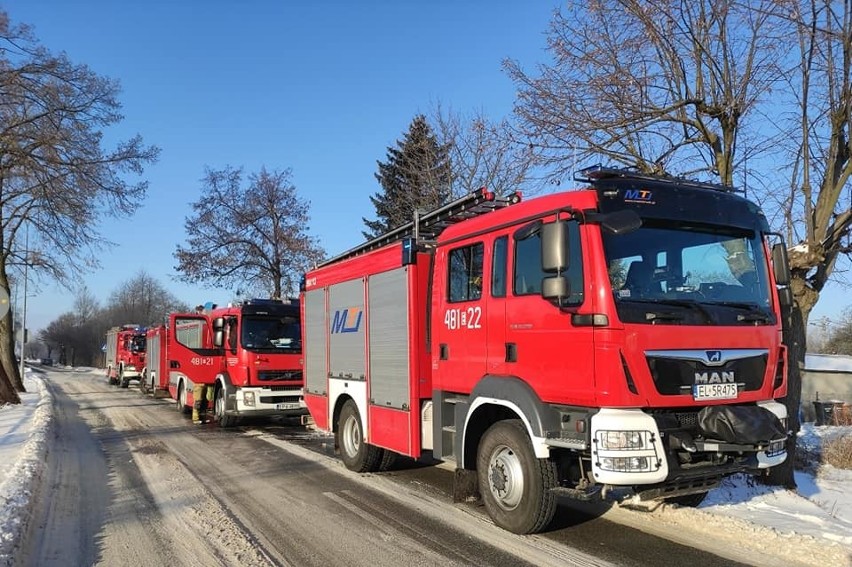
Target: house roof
(828,363)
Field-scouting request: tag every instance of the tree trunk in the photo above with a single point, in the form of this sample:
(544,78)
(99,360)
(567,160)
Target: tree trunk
(8,394)
(8,365)
(794,321)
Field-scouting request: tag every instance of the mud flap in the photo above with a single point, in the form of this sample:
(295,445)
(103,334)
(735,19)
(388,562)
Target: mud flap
(465,485)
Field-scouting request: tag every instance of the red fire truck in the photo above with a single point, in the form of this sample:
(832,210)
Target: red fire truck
(618,341)
(125,354)
(251,354)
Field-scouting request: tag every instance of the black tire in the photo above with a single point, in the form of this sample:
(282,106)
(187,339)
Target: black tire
(143,383)
(180,402)
(516,487)
(224,420)
(688,500)
(388,460)
(355,453)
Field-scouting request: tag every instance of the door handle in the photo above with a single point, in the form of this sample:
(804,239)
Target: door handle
(444,351)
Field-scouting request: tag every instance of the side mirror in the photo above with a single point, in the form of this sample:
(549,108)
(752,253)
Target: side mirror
(218,338)
(785,296)
(555,289)
(554,247)
(218,323)
(780,264)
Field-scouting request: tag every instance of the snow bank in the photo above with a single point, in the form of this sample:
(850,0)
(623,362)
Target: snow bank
(23,460)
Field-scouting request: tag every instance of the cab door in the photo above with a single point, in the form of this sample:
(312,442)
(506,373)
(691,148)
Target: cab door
(460,331)
(552,347)
(191,351)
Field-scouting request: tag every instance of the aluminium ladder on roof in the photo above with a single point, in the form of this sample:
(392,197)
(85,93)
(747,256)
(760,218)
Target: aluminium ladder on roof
(429,225)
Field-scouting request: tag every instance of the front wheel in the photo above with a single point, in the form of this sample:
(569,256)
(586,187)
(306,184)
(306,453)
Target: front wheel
(516,486)
(356,454)
(123,381)
(223,419)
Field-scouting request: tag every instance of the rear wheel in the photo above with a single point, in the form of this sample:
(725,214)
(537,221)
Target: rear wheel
(356,454)
(223,419)
(516,486)
(388,460)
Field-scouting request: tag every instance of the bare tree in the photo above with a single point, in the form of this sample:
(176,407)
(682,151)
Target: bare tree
(57,181)
(661,86)
(142,300)
(484,153)
(253,237)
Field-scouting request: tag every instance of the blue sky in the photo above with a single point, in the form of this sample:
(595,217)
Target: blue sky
(320,87)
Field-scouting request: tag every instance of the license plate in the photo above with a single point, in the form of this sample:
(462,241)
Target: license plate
(714,391)
(288,406)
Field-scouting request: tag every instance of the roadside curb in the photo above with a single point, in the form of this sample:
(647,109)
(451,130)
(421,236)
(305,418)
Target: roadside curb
(24,478)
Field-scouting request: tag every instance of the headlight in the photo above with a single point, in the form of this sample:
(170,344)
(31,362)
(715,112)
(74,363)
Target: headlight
(623,440)
(625,464)
(248,398)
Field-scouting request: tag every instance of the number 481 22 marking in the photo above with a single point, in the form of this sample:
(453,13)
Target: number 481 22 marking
(469,318)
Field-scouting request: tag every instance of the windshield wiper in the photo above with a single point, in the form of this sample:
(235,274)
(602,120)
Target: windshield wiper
(755,313)
(676,302)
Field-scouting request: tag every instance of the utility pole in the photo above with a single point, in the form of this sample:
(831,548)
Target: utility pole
(26,277)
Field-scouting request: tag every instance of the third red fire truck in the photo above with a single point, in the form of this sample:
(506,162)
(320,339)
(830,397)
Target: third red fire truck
(623,340)
(125,354)
(250,354)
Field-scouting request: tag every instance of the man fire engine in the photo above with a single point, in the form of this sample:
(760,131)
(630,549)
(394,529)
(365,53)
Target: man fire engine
(246,359)
(125,354)
(618,341)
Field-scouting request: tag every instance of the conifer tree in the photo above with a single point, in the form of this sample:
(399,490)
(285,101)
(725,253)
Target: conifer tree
(416,175)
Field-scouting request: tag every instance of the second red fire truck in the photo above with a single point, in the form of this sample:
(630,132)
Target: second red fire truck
(249,354)
(619,341)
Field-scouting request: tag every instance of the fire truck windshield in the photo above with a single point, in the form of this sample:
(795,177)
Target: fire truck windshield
(271,333)
(665,273)
(137,343)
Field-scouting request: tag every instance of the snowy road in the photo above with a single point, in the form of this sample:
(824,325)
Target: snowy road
(130,481)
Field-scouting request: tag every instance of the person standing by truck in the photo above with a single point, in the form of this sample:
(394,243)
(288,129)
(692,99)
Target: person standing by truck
(202,396)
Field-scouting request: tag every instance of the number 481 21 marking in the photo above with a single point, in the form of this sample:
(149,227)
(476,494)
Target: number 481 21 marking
(469,318)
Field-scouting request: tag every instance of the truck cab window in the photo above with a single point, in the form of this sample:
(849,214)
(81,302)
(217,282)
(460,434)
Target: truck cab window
(498,267)
(528,274)
(465,273)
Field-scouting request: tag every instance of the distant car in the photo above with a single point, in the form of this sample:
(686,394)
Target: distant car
(47,361)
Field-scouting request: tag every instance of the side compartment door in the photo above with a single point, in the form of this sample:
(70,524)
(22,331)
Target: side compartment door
(191,351)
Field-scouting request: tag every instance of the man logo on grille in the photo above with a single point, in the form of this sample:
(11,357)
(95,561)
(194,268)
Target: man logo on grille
(714,356)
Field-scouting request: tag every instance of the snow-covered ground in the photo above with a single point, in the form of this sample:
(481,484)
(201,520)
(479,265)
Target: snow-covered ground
(817,521)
